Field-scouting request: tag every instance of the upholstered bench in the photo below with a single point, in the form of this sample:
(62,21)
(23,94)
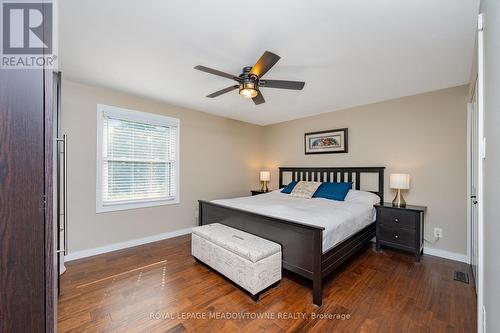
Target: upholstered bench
(251,262)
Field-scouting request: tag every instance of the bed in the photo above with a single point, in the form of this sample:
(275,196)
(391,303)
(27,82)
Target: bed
(315,241)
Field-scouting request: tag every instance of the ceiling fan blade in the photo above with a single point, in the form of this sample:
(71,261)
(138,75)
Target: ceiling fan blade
(281,84)
(259,99)
(266,61)
(215,72)
(222,91)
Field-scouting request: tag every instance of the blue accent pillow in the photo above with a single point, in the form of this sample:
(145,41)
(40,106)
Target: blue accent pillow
(333,191)
(289,188)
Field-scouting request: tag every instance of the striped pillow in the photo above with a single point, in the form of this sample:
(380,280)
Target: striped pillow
(305,189)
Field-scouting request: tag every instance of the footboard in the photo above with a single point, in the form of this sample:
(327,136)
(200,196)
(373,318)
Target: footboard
(301,244)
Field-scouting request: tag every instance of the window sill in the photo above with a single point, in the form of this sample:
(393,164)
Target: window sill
(135,205)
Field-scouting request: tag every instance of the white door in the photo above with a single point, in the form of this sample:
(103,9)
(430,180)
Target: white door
(473,173)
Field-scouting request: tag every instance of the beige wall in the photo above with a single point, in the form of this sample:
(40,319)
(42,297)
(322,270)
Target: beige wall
(423,135)
(219,157)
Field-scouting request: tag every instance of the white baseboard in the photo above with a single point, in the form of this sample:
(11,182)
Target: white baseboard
(447,254)
(123,245)
(443,254)
(150,239)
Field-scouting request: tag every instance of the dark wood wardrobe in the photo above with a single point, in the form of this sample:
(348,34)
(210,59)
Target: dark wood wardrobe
(27,231)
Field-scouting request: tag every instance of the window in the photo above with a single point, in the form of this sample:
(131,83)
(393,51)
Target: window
(137,159)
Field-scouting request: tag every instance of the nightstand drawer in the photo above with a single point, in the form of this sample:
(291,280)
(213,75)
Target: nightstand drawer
(400,236)
(396,218)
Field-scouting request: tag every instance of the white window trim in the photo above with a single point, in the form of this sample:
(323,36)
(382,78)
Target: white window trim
(106,110)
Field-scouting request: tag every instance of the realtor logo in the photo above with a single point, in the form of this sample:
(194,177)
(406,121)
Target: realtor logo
(27,34)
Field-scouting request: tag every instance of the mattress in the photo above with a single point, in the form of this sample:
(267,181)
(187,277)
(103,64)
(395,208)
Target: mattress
(341,219)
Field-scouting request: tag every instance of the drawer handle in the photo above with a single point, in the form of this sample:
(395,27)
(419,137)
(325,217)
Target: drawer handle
(396,220)
(396,236)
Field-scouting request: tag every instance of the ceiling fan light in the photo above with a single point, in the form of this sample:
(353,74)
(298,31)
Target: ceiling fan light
(248,90)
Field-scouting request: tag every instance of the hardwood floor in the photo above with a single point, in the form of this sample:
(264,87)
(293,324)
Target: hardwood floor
(159,288)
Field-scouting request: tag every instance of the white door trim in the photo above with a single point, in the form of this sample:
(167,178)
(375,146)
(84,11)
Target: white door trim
(469,175)
(480,134)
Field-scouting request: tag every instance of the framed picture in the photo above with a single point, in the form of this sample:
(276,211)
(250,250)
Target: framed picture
(326,142)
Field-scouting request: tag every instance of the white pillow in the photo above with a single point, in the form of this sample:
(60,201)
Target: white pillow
(305,189)
(362,196)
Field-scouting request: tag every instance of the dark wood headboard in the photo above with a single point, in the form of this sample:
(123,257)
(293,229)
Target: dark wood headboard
(335,175)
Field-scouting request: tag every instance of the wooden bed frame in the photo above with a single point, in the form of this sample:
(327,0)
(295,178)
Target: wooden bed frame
(302,244)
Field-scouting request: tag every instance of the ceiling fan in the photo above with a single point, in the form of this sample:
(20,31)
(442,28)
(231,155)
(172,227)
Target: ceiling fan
(249,81)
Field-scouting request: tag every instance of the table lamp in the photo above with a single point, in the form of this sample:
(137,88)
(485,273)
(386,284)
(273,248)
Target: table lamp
(265,177)
(399,181)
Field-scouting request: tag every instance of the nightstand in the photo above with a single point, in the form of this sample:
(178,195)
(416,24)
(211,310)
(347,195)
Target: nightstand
(401,227)
(257,192)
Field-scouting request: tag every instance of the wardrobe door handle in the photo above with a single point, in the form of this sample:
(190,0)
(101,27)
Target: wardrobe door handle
(65,144)
(64,141)
(396,220)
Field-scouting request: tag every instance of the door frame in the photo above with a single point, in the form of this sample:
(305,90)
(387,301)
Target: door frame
(469,176)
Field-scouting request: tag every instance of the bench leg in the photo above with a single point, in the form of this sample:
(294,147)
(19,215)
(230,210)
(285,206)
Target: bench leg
(256,297)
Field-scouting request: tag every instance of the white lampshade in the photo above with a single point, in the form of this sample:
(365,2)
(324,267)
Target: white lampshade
(400,181)
(265,176)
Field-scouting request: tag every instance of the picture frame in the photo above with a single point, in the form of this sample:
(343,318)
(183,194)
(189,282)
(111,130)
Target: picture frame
(326,142)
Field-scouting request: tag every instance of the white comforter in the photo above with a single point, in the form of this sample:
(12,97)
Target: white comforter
(340,219)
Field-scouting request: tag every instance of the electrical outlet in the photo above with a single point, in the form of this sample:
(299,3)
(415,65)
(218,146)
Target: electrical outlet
(438,232)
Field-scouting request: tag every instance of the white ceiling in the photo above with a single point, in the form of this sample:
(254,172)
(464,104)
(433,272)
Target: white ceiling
(349,52)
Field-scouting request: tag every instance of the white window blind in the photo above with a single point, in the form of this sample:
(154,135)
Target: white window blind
(139,160)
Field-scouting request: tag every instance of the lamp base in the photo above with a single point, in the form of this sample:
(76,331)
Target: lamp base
(399,201)
(264,186)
